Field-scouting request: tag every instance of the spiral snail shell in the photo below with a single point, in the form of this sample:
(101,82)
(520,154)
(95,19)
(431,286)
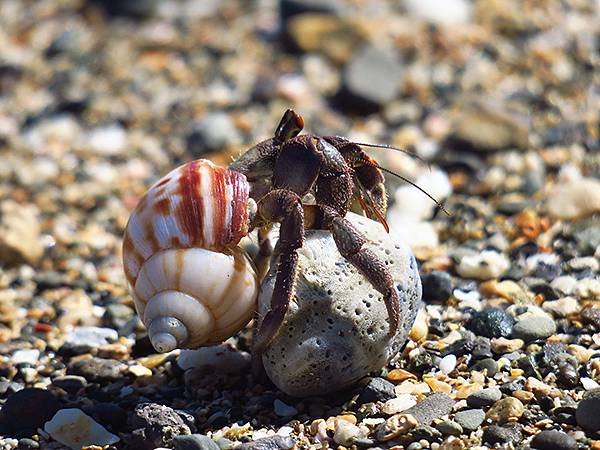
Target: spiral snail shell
(191,283)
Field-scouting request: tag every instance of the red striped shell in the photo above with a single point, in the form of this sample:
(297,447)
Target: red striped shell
(180,247)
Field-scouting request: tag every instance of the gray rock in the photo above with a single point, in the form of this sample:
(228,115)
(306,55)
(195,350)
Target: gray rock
(508,434)
(534,327)
(28,444)
(553,440)
(371,78)
(431,408)
(588,411)
(194,442)
(97,369)
(337,324)
(90,337)
(484,397)
(269,443)
(377,390)
(449,428)
(215,131)
(470,419)
(157,425)
(491,323)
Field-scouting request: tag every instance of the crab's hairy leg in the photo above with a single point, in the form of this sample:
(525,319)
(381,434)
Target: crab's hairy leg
(285,207)
(351,245)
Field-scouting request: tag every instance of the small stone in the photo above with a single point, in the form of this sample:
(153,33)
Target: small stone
(213,132)
(70,383)
(553,440)
(505,409)
(574,199)
(564,285)
(447,364)
(283,410)
(534,327)
(470,419)
(107,140)
(487,365)
(28,409)
(86,338)
(371,78)
(75,429)
(269,443)
(139,371)
(430,408)
(503,345)
(28,444)
(397,425)
(562,307)
(346,433)
(157,425)
(491,323)
(488,125)
(399,404)
(484,397)
(508,434)
(96,369)
(20,241)
(483,266)
(588,411)
(194,442)
(29,356)
(377,390)
(451,12)
(449,428)
(223,358)
(437,286)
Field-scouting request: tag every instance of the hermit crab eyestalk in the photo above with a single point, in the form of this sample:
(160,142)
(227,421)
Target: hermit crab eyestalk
(191,283)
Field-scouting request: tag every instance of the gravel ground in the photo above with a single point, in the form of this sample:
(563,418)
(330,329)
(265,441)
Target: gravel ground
(99,99)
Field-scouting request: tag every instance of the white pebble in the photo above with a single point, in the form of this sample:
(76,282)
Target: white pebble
(446,12)
(107,140)
(75,429)
(589,384)
(575,199)
(447,364)
(25,356)
(483,266)
(345,433)
(401,403)
(223,357)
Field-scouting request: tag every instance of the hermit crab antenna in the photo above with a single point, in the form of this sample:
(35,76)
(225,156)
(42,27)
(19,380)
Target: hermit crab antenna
(383,169)
(289,126)
(397,149)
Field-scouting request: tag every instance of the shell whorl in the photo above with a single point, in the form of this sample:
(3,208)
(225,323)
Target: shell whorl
(191,283)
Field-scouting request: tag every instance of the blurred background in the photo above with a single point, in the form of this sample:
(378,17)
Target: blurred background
(98,99)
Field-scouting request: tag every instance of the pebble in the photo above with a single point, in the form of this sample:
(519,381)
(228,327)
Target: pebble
(489,125)
(449,428)
(588,411)
(447,364)
(430,408)
(483,266)
(574,199)
(20,240)
(377,390)
(97,369)
(25,356)
(505,409)
(222,358)
(508,434)
(553,440)
(194,442)
(562,307)
(470,419)
(107,140)
(534,327)
(437,286)
(157,424)
(214,131)
(503,345)
(283,410)
(484,397)
(346,433)
(75,429)
(371,78)
(452,12)
(398,404)
(70,383)
(28,409)
(491,323)
(87,338)
(269,443)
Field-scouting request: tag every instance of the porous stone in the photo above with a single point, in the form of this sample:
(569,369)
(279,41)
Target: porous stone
(157,424)
(337,323)
(509,434)
(431,408)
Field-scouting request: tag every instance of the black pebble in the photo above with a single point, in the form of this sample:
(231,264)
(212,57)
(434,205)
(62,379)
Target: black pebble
(491,323)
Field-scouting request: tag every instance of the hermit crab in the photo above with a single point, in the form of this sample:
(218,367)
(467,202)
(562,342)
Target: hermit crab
(193,284)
